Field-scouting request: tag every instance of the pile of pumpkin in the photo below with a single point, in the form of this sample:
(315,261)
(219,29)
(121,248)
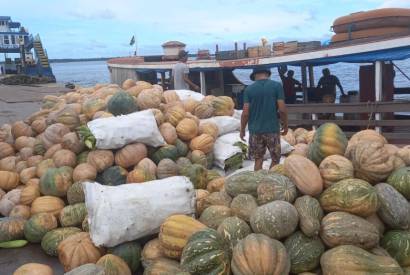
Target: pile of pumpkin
(335,206)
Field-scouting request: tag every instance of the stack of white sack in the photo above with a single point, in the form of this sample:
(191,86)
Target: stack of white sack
(225,124)
(188,94)
(117,214)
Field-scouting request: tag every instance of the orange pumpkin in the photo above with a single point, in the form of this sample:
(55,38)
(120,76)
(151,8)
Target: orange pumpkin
(6,150)
(54,134)
(101,159)
(130,155)
(152,251)
(20,211)
(47,204)
(404,154)
(170,96)
(187,129)
(72,142)
(34,269)
(20,166)
(148,99)
(9,180)
(64,158)
(148,165)
(39,125)
(159,116)
(223,105)
(216,185)
(204,110)
(190,105)
(175,115)
(8,163)
(28,174)
(290,137)
(128,83)
(209,128)
(84,171)
(300,149)
(204,143)
(34,160)
(29,194)
(42,167)
(77,250)
(24,141)
(19,128)
(368,136)
(168,132)
(139,175)
(52,150)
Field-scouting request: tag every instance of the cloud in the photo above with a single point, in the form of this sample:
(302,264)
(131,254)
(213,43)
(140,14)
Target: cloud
(104,14)
(395,4)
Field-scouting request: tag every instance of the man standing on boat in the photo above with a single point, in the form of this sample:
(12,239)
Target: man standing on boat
(289,85)
(328,83)
(262,101)
(180,73)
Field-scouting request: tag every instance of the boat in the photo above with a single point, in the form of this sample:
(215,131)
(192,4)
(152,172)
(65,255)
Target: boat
(17,45)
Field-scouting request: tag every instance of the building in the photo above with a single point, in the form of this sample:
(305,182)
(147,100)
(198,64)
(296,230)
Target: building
(171,49)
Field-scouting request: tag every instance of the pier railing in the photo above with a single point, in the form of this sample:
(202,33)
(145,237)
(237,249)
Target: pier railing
(381,116)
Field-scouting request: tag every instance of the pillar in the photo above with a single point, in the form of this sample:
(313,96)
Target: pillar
(202,82)
(378,88)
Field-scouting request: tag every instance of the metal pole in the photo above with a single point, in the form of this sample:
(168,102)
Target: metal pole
(378,88)
(304,83)
(311,77)
(202,82)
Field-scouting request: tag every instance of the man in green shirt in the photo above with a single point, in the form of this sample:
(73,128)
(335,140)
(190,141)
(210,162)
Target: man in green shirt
(262,101)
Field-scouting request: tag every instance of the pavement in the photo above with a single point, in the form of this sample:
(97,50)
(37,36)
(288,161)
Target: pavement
(18,102)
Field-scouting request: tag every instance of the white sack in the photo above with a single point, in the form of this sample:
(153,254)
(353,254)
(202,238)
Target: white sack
(118,214)
(224,150)
(187,94)
(116,132)
(226,124)
(237,114)
(248,165)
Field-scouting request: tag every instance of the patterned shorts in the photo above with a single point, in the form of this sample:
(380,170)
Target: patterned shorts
(259,142)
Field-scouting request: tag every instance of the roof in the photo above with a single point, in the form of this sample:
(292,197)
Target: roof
(5,18)
(173,44)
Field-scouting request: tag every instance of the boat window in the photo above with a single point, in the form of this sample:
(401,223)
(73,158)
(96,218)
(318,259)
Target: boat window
(13,39)
(6,39)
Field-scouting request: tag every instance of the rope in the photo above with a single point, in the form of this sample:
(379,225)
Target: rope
(403,73)
(373,108)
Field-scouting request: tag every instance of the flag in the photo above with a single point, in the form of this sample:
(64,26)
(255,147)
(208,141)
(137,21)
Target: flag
(132,42)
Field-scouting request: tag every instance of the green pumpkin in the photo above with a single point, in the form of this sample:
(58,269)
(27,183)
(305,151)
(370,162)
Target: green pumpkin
(112,176)
(276,187)
(278,169)
(304,252)
(400,180)
(210,160)
(165,152)
(11,229)
(85,225)
(214,215)
(182,162)
(233,229)
(351,195)
(206,253)
(198,157)
(39,148)
(329,140)
(121,103)
(246,182)
(310,215)
(73,215)
(397,243)
(197,174)
(75,193)
(130,252)
(56,181)
(52,239)
(212,175)
(243,205)
(38,225)
(82,157)
(182,148)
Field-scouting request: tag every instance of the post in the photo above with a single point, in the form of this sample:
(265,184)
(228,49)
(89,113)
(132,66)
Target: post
(202,82)
(378,88)
(216,48)
(244,46)
(311,77)
(304,83)
(163,80)
(236,46)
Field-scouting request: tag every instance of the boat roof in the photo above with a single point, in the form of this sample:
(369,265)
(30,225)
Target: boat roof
(5,18)
(367,52)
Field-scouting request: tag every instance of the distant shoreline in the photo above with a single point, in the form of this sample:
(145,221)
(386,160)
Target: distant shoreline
(65,60)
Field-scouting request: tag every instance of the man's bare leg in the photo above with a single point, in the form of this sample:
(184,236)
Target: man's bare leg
(273,163)
(258,164)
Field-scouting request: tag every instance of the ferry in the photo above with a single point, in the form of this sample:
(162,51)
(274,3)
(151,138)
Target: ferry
(375,50)
(17,45)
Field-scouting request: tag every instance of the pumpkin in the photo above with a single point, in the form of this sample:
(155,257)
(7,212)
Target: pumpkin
(394,208)
(175,232)
(20,211)
(91,106)
(305,174)
(159,116)
(404,154)
(128,83)
(278,169)
(208,128)
(335,168)
(24,141)
(290,137)
(5,134)
(130,155)
(196,174)
(217,198)
(113,265)
(48,204)
(164,152)
(6,150)
(39,125)
(130,252)
(34,160)
(34,269)
(277,188)
(56,181)
(245,182)
(223,105)
(8,164)
(9,180)
(73,143)
(166,168)
(139,175)
(52,239)
(29,194)
(183,162)
(163,266)
(73,215)
(341,228)
(25,153)
(206,253)
(66,116)
(43,166)
(11,229)
(190,105)
(52,150)
(259,254)
(371,162)
(310,215)
(101,159)
(204,110)
(114,175)
(85,225)
(182,148)
(368,136)
(204,143)
(233,229)
(349,259)
(375,220)
(187,129)
(19,128)
(84,171)
(304,252)
(20,166)
(38,225)
(136,89)
(400,180)
(64,158)
(243,205)
(77,250)
(216,185)
(168,132)
(214,215)
(277,219)
(8,201)
(198,157)
(300,135)
(101,114)
(151,252)
(121,103)
(54,134)
(396,242)
(148,165)
(351,195)
(27,174)
(174,115)
(146,99)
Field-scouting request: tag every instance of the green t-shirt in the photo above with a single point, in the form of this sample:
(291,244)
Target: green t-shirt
(262,97)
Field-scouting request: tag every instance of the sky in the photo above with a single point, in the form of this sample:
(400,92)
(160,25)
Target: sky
(103,28)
